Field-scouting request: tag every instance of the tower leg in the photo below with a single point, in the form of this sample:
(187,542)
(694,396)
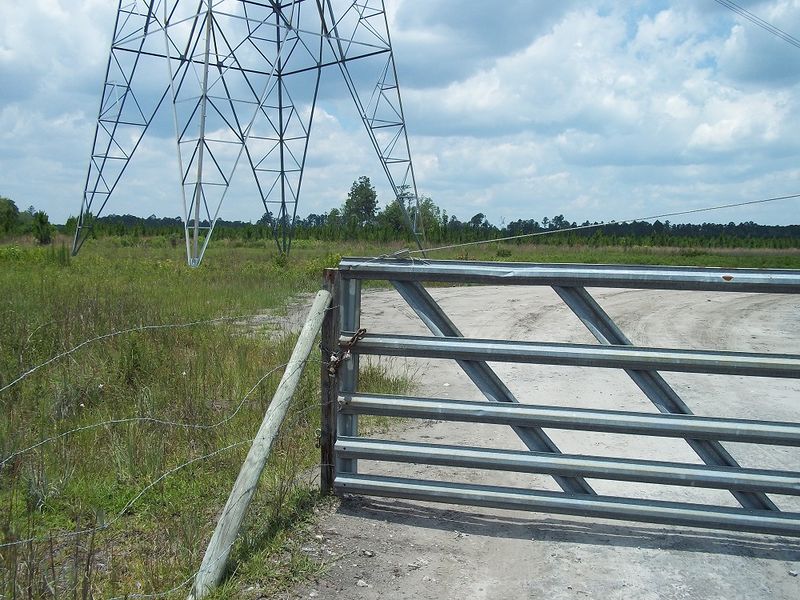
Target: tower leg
(354,35)
(232,82)
(126,111)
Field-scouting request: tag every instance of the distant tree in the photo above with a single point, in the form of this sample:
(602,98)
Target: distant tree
(361,203)
(429,217)
(313,220)
(71,225)
(9,215)
(334,217)
(391,218)
(559,222)
(265,220)
(520,227)
(42,230)
(478,221)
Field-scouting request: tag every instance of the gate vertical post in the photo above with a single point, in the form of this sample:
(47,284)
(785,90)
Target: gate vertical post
(349,321)
(329,345)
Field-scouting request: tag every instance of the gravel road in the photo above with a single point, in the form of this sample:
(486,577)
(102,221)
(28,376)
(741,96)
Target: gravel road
(405,549)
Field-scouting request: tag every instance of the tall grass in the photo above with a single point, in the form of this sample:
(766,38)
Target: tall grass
(188,375)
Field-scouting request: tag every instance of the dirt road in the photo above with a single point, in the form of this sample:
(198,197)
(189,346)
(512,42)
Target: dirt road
(404,549)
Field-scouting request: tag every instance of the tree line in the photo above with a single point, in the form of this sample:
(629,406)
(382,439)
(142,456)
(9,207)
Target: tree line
(360,218)
(28,222)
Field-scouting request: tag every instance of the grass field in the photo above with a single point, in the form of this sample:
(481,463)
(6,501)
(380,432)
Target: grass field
(102,519)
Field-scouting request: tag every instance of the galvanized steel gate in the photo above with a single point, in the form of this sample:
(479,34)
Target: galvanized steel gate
(342,403)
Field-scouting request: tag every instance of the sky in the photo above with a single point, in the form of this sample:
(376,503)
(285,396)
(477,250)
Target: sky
(519,109)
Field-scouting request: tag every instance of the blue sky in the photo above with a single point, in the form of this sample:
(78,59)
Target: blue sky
(596,110)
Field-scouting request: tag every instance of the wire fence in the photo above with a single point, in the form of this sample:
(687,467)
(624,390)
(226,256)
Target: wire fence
(152,420)
(112,334)
(60,535)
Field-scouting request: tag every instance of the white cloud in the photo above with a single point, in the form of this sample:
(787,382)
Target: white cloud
(752,56)
(745,119)
(582,108)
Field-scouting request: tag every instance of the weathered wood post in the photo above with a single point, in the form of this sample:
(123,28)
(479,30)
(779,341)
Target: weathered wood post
(219,548)
(329,384)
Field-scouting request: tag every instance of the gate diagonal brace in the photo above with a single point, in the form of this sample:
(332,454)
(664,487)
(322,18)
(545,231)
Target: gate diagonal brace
(484,377)
(660,393)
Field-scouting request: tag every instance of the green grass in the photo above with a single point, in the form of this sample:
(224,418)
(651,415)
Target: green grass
(633,255)
(198,374)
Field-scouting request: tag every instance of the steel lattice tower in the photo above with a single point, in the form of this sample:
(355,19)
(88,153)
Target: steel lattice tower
(233,72)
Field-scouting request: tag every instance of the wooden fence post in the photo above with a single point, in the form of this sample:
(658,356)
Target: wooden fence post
(219,548)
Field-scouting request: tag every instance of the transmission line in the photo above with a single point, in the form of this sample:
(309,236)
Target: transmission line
(603,224)
(760,22)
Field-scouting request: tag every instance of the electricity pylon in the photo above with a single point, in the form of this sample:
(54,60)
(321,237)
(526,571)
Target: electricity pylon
(242,79)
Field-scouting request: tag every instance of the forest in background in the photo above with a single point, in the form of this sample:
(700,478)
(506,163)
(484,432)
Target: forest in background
(359,218)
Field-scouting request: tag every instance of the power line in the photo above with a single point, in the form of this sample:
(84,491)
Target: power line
(605,223)
(760,22)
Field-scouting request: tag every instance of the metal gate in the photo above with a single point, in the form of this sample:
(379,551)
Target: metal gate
(344,341)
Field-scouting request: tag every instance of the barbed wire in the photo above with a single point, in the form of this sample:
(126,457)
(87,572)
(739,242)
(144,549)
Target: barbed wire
(295,415)
(289,422)
(154,420)
(155,482)
(121,513)
(112,334)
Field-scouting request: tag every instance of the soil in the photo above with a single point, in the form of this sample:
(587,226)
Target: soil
(384,548)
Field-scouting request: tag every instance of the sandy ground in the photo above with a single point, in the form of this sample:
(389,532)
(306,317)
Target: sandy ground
(407,549)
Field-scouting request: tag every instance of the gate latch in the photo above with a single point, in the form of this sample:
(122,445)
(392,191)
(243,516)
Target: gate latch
(344,352)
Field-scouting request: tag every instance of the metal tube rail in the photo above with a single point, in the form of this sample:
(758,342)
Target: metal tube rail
(625,357)
(587,419)
(776,281)
(619,469)
(604,507)
(482,375)
(349,319)
(654,386)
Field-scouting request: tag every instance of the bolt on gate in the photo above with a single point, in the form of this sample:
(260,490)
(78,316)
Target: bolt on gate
(342,402)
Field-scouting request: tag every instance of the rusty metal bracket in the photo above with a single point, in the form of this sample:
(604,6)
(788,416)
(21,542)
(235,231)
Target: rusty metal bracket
(340,357)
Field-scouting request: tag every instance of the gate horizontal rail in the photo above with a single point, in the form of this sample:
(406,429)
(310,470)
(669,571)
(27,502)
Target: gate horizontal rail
(604,507)
(583,355)
(774,281)
(586,419)
(620,469)
(342,448)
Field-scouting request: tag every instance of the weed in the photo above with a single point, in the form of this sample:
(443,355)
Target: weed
(38,488)
(387,376)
